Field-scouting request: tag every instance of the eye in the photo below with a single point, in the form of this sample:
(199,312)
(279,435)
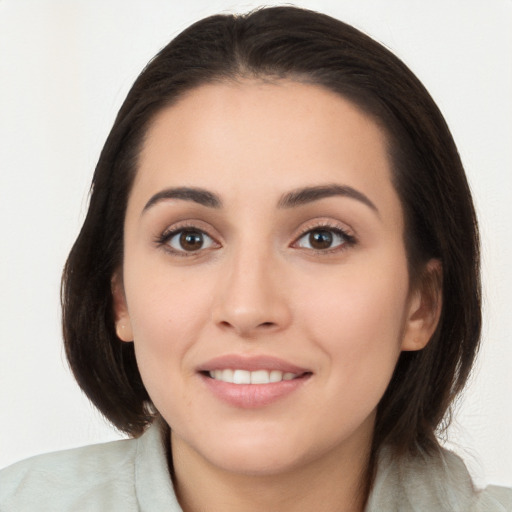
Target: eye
(188,240)
(323,239)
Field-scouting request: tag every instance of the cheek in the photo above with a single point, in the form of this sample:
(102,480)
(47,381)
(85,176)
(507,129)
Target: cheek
(358,320)
(163,301)
(168,313)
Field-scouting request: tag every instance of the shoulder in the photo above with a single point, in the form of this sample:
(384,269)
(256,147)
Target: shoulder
(76,479)
(457,480)
(494,498)
(432,482)
(454,480)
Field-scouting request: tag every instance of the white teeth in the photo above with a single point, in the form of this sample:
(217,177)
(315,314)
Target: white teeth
(247,377)
(260,377)
(276,376)
(241,377)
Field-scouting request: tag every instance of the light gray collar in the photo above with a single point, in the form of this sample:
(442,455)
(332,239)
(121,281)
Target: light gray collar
(439,482)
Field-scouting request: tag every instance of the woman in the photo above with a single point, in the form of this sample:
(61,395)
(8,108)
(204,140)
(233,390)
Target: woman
(276,289)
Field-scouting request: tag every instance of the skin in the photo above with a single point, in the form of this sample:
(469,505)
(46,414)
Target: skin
(258,286)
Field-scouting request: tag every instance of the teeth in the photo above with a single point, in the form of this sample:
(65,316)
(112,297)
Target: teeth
(275,376)
(260,377)
(247,377)
(240,377)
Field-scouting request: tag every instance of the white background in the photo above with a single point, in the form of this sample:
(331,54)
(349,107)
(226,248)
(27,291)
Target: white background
(66,66)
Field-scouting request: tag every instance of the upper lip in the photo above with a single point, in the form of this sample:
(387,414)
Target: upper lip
(250,363)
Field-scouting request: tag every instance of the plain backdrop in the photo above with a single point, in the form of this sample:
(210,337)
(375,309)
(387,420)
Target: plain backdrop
(65,68)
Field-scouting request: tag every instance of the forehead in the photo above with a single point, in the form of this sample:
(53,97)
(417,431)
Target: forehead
(236,137)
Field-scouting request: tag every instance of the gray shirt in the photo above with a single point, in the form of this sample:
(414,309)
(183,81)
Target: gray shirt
(133,475)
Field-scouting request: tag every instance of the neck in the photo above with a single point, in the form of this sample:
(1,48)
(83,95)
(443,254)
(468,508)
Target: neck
(332,483)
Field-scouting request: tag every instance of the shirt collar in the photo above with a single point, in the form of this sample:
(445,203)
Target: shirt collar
(153,484)
(438,481)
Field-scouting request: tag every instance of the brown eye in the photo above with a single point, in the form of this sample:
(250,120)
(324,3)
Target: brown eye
(322,239)
(190,240)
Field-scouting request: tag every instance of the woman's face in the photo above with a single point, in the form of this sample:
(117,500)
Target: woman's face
(264,241)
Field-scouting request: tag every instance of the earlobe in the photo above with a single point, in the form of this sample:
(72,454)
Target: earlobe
(425,307)
(122,317)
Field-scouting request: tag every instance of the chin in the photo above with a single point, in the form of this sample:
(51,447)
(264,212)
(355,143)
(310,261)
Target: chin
(253,452)
(257,461)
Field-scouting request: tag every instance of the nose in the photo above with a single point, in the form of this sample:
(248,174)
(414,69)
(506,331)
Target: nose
(251,298)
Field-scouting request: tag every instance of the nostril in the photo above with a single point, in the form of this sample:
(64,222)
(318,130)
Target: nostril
(263,325)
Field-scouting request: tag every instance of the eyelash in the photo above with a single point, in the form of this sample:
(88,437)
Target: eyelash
(348,239)
(164,239)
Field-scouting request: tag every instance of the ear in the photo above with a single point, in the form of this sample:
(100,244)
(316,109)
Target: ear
(122,318)
(424,308)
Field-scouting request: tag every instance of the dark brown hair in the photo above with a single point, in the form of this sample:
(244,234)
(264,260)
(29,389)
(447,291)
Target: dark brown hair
(301,45)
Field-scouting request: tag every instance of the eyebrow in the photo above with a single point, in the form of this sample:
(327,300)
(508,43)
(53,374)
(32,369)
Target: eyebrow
(194,194)
(298,197)
(306,195)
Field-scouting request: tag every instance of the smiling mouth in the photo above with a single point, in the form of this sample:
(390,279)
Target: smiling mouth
(235,376)
(252,382)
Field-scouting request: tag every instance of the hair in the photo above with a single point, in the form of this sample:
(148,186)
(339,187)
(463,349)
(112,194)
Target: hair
(300,45)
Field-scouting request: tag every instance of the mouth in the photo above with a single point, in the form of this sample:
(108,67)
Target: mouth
(238,376)
(249,382)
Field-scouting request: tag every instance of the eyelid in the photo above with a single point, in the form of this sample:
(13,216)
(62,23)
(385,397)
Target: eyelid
(327,225)
(207,240)
(162,240)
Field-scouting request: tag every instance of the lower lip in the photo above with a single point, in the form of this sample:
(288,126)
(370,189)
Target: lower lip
(250,396)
